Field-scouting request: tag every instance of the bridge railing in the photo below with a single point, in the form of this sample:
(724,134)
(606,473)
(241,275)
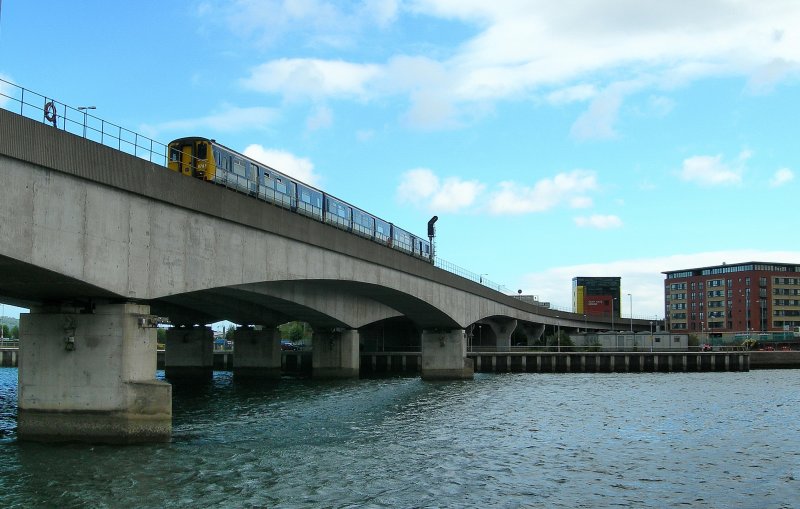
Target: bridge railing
(78,121)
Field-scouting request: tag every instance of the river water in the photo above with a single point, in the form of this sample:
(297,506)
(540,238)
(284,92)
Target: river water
(696,440)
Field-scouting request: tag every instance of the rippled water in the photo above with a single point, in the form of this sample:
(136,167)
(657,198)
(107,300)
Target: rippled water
(705,440)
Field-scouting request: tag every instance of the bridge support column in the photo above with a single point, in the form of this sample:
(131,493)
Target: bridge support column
(533,333)
(91,377)
(444,355)
(189,352)
(503,329)
(335,354)
(257,353)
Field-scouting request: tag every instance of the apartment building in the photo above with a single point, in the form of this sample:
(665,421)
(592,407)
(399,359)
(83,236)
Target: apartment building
(740,297)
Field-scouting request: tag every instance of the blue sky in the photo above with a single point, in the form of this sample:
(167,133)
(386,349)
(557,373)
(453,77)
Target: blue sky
(552,139)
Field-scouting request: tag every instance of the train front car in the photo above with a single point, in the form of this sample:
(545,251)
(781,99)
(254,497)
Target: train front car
(192,157)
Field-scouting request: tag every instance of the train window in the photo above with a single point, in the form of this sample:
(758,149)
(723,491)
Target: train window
(305,196)
(174,154)
(238,167)
(202,150)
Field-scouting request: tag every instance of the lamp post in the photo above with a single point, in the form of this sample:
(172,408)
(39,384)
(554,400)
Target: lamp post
(558,335)
(480,278)
(631,299)
(612,312)
(84,109)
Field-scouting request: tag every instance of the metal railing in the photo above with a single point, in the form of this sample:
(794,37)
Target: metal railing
(77,121)
(9,343)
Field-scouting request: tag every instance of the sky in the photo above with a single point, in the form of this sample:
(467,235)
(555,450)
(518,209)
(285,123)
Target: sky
(553,139)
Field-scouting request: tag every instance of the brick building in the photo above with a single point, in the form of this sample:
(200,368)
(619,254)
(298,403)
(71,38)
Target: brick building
(740,297)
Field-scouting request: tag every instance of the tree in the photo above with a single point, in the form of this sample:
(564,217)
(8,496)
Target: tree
(229,333)
(293,331)
(6,332)
(15,332)
(561,339)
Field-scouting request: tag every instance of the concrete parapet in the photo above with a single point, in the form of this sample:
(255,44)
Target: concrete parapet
(444,355)
(335,354)
(258,353)
(91,377)
(189,352)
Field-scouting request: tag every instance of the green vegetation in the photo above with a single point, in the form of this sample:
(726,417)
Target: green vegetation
(295,332)
(562,339)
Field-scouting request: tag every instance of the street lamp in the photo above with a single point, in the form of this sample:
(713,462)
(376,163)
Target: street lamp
(84,109)
(631,299)
(612,312)
(558,335)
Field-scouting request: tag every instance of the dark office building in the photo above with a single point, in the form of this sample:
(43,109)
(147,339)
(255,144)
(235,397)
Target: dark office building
(596,296)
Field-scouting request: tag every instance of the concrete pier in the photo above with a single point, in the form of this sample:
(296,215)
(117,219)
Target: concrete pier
(258,353)
(444,355)
(189,352)
(335,354)
(91,377)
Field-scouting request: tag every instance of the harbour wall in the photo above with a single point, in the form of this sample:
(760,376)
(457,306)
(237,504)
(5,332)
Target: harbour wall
(299,363)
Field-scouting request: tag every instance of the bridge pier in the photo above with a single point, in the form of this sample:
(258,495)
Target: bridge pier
(533,333)
(335,354)
(444,355)
(257,353)
(503,329)
(189,352)
(91,377)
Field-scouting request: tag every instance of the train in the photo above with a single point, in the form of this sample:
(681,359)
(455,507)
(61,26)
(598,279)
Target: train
(208,160)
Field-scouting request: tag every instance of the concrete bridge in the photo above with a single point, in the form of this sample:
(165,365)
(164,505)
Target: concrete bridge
(99,243)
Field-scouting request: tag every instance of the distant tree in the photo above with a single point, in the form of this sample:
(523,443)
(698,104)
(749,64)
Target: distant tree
(6,331)
(565,342)
(161,335)
(694,340)
(229,333)
(15,332)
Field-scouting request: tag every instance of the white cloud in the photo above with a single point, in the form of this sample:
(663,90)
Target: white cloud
(311,77)
(229,119)
(641,277)
(598,121)
(570,188)
(321,118)
(598,221)
(423,188)
(577,93)
(709,171)
(520,48)
(781,177)
(285,162)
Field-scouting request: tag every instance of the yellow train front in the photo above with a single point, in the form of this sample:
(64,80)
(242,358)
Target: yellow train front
(193,157)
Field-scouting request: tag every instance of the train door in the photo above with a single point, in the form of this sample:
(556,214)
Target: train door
(181,158)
